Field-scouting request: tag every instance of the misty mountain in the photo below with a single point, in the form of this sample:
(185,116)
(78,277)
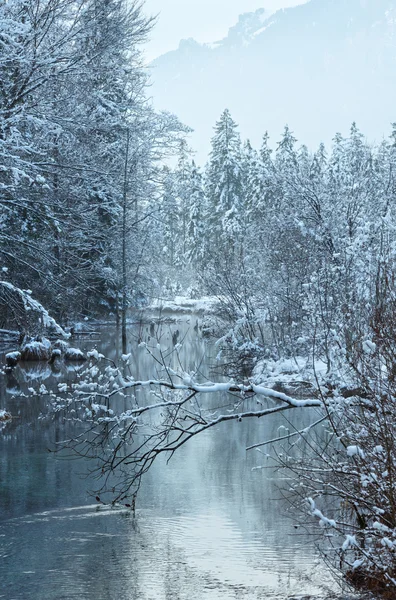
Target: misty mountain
(317,67)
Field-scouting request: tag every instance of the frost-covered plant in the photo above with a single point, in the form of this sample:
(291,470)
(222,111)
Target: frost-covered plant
(124,432)
(27,312)
(347,482)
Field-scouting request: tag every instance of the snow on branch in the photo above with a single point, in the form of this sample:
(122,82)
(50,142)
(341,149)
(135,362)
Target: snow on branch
(126,439)
(230,386)
(30,304)
(289,436)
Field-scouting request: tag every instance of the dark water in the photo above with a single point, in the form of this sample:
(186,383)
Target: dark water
(207,526)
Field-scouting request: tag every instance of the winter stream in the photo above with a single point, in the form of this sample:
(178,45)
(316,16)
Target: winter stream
(207,525)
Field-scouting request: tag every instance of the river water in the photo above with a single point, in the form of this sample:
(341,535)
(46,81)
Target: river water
(207,525)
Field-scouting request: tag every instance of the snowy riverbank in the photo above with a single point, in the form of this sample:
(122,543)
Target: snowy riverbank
(183,305)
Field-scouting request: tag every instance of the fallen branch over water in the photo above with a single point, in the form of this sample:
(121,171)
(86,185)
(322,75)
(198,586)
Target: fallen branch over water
(125,443)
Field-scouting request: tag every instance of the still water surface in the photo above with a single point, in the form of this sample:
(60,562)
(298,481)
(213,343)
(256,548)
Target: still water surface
(207,526)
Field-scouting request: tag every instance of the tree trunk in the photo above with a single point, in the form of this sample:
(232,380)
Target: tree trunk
(124,252)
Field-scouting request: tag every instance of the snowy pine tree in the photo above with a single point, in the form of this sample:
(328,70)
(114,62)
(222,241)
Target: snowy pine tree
(225,187)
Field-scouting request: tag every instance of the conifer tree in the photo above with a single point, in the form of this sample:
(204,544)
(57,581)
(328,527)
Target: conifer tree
(197,229)
(224,186)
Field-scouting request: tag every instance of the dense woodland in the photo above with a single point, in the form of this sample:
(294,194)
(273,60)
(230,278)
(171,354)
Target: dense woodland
(91,218)
(103,208)
(299,240)
(80,149)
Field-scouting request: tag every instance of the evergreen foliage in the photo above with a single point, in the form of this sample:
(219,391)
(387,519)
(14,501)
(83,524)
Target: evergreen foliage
(72,86)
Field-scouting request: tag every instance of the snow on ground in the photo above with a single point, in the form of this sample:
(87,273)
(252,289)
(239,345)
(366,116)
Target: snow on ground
(289,370)
(182,304)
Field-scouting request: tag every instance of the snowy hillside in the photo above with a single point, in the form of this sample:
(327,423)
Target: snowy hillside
(288,67)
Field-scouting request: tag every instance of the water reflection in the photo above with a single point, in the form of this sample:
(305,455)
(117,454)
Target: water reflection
(206,525)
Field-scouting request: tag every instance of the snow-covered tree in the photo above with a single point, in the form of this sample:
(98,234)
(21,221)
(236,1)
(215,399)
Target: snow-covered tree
(197,233)
(224,187)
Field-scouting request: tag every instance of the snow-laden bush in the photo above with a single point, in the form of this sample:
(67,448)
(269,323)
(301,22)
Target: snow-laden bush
(347,481)
(38,349)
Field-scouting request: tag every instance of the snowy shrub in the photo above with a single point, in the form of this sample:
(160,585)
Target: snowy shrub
(350,478)
(36,350)
(74,354)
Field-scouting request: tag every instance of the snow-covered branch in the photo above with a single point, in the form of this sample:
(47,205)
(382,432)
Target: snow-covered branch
(230,386)
(125,442)
(32,305)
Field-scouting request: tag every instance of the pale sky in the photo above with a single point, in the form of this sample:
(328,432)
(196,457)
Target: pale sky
(203,20)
